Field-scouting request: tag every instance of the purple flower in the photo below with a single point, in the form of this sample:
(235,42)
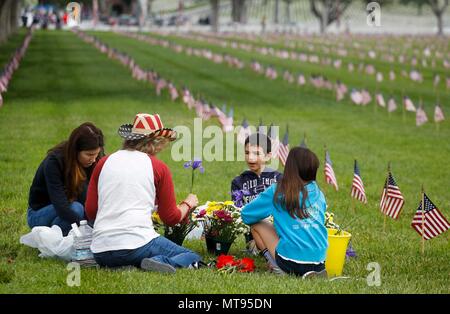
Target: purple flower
(350,251)
(238,197)
(194,164)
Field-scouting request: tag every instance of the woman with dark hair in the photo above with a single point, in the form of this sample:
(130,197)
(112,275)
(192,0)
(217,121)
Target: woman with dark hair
(59,187)
(298,240)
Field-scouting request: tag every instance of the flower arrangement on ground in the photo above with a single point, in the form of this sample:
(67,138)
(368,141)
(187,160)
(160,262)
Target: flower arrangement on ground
(221,220)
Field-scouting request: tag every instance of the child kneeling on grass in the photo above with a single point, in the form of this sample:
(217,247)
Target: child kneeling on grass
(250,183)
(298,240)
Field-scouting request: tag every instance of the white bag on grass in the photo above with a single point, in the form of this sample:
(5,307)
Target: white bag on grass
(49,241)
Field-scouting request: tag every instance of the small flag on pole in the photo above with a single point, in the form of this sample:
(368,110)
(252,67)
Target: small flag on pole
(357,190)
(430,223)
(421,116)
(330,177)
(303,143)
(283,149)
(275,143)
(244,132)
(392,105)
(438,114)
(392,199)
(409,106)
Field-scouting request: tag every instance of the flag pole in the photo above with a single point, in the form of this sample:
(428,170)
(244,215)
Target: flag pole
(403,107)
(386,186)
(423,220)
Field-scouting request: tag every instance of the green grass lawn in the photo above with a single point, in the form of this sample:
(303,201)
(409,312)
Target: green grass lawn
(63,82)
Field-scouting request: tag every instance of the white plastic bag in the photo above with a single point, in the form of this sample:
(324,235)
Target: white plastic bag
(50,242)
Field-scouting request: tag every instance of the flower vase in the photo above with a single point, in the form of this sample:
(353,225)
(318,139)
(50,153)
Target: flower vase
(217,247)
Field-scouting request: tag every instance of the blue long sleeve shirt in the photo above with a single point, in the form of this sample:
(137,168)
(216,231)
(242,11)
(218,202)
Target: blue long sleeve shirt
(301,240)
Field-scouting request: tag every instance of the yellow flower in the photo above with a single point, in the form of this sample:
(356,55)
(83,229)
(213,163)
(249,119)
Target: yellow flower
(227,203)
(156,218)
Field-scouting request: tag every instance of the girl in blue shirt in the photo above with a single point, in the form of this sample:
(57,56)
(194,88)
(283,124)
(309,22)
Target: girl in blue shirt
(298,239)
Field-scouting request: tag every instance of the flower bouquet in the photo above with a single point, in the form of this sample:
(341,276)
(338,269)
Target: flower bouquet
(222,223)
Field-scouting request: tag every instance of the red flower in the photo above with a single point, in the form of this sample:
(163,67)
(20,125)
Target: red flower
(223,215)
(225,260)
(201,213)
(230,264)
(246,265)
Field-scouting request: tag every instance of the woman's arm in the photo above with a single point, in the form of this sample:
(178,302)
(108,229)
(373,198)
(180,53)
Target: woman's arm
(91,206)
(54,179)
(168,210)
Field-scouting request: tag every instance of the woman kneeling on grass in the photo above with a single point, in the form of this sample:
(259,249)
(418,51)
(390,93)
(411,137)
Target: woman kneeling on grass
(122,193)
(298,240)
(59,187)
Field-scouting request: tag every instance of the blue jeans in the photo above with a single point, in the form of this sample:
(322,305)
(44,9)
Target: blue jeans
(47,216)
(159,249)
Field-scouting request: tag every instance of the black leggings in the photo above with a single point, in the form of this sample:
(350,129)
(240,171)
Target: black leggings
(296,268)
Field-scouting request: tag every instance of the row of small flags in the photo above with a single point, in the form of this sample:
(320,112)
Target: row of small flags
(358,97)
(368,69)
(429,223)
(381,53)
(203,110)
(13,64)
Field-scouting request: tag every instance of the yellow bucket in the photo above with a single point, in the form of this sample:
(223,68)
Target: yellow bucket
(337,247)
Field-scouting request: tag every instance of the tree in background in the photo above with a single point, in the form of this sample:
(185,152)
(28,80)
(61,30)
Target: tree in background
(9,15)
(437,6)
(239,11)
(328,11)
(215,7)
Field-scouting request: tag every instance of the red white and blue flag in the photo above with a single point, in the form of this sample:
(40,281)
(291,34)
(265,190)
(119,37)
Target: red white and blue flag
(392,200)
(357,191)
(429,223)
(330,177)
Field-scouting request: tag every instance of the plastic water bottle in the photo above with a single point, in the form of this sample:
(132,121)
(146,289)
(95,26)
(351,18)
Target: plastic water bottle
(82,244)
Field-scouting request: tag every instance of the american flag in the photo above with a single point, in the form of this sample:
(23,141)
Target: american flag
(409,106)
(366,98)
(244,132)
(437,79)
(421,116)
(379,77)
(283,149)
(301,80)
(356,97)
(430,223)
(392,105)
(392,199)
(330,177)
(438,114)
(227,126)
(275,143)
(173,91)
(357,191)
(303,142)
(380,100)
(391,75)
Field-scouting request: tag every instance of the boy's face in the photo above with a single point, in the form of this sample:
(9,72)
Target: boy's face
(255,157)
